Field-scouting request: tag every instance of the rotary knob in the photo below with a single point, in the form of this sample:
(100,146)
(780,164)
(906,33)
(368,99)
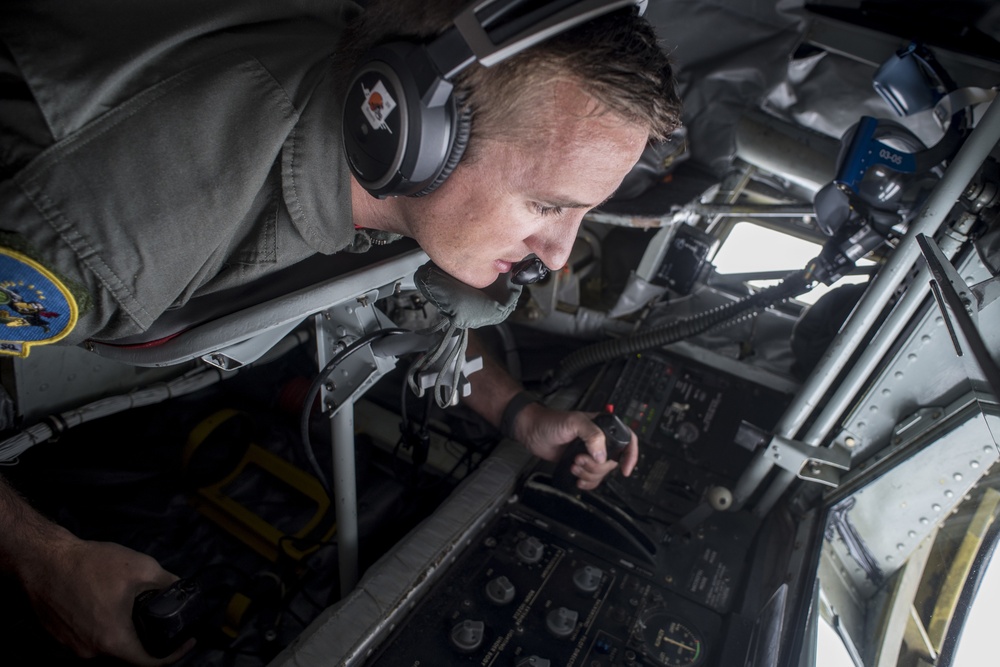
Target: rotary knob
(587,579)
(468,635)
(561,622)
(500,591)
(533,661)
(530,550)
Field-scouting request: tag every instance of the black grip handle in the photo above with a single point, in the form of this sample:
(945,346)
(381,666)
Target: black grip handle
(616,440)
(165,619)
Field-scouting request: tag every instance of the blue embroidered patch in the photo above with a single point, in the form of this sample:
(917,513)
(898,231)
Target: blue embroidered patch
(35,307)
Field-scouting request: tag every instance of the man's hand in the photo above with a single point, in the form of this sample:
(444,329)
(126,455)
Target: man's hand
(546,432)
(83,593)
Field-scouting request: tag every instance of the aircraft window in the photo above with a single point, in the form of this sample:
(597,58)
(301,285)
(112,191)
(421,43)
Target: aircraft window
(830,649)
(908,576)
(752,248)
(978,640)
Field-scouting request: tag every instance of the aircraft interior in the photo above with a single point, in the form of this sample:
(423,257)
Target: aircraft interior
(791,303)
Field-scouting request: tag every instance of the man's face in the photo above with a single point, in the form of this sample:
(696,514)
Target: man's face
(526,196)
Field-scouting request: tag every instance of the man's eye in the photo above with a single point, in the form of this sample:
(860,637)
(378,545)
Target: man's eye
(543,210)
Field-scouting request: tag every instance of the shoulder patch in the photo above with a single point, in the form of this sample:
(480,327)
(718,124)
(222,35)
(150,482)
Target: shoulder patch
(35,307)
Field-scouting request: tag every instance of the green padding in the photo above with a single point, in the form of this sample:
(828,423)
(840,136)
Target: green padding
(467,307)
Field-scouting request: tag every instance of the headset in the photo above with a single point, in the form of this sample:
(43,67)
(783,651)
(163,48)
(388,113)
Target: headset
(404,130)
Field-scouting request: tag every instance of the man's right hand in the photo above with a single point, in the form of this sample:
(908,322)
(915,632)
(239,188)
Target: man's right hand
(83,593)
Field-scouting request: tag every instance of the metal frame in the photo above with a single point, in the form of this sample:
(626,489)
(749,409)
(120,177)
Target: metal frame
(811,399)
(343,307)
(239,338)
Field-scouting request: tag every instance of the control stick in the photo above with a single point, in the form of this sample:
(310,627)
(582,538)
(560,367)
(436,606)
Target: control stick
(166,618)
(616,440)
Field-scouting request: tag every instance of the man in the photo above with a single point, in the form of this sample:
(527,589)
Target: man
(152,154)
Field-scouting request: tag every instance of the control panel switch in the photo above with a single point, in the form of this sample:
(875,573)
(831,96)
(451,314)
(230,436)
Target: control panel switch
(533,661)
(500,591)
(561,622)
(588,578)
(468,635)
(530,550)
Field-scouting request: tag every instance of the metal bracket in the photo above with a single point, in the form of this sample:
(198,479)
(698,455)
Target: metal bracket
(337,328)
(954,298)
(916,424)
(815,464)
(247,351)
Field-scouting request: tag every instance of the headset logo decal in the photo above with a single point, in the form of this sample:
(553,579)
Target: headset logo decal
(377,106)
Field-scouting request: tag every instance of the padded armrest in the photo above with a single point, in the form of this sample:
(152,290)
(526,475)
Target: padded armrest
(210,323)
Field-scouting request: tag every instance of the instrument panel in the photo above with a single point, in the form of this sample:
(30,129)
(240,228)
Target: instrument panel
(634,574)
(525,596)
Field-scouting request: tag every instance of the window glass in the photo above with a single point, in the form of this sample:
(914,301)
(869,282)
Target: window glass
(977,645)
(830,650)
(751,248)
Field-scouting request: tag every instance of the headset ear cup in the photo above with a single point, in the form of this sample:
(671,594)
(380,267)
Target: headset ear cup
(463,129)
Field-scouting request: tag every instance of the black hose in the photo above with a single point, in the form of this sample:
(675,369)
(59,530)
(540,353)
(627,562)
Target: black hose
(730,313)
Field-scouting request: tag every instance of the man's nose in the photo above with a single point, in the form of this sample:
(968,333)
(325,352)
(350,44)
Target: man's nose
(554,242)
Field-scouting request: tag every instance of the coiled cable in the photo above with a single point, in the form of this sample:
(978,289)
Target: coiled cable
(791,285)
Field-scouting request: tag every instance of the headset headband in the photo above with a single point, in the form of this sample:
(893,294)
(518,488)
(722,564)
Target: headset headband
(403,131)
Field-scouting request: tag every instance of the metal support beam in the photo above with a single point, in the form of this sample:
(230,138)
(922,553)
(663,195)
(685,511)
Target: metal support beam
(865,316)
(345,496)
(812,463)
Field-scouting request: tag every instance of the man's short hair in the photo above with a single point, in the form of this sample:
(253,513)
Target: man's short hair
(615,58)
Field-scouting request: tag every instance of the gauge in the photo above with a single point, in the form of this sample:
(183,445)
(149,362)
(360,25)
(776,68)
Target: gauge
(667,641)
(687,433)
